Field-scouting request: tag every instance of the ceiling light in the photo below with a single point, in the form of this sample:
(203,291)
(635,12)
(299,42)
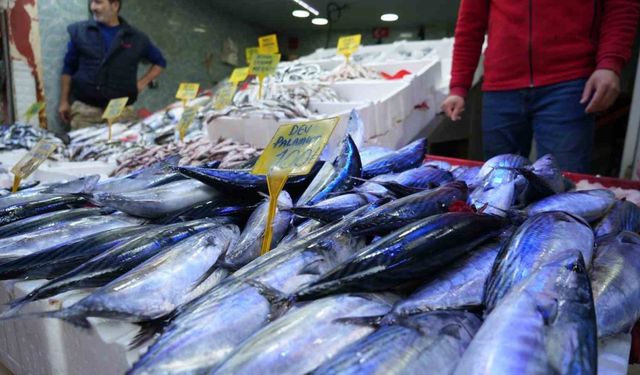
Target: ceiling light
(300,13)
(320,21)
(389,17)
(307,7)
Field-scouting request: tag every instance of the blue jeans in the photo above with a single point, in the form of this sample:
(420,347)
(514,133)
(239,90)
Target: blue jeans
(553,113)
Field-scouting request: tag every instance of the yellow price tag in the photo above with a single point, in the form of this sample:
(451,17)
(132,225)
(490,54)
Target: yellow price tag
(296,147)
(250,52)
(269,44)
(188,91)
(348,45)
(30,162)
(224,96)
(34,110)
(186,120)
(264,65)
(239,74)
(115,108)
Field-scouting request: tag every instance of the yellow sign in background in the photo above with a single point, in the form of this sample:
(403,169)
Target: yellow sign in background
(348,45)
(296,147)
(250,52)
(239,74)
(224,96)
(34,110)
(264,65)
(188,91)
(31,161)
(187,118)
(269,44)
(115,108)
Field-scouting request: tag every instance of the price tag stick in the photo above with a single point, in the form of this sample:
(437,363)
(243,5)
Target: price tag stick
(16,184)
(275,183)
(292,151)
(261,80)
(110,122)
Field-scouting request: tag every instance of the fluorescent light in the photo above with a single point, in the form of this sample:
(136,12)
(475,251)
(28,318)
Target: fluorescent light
(199,30)
(308,7)
(300,13)
(389,17)
(320,21)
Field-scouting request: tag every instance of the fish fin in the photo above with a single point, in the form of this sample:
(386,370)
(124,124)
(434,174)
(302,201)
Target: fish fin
(149,329)
(452,330)
(263,195)
(221,263)
(279,301)
(369,321)
(312,268)
(548,308)
(205,276)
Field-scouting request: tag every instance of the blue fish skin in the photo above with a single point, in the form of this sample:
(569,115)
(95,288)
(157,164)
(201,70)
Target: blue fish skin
(410,156)
(408,255)
(339,176)
(614,275)
(50,220)
(545,325)
(58,260)
(117,261)
(429,343)
(332,209)
(591,205)
(17,212)
(542,238)
(404,211)
(237,182)
(623,216)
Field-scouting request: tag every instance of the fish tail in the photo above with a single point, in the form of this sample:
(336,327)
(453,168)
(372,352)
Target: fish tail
(280,302)
(149,329)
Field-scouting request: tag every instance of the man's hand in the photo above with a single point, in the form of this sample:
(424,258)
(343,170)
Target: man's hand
(603,87)
(453,106)
(142,86)
(65,111)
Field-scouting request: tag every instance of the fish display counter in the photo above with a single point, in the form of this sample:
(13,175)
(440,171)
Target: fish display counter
(396,98)
(382,260)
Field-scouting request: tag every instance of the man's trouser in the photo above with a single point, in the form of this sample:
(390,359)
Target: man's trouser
(552,113)
(84,115)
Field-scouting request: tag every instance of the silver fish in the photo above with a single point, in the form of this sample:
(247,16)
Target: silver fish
(17,246)
(303,339)
(161,284)
(614,275)
(494,200)
(501,163)
(538,240)
(623,216)
(430,343)
(591,205)
(459,286)
(203,335)
(544,326)
(159,201)
(250,243)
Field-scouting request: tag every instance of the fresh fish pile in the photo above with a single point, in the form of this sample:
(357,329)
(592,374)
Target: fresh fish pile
(192,152)
(279,102)
(296,72)
(378,264)
(350,71)
(20,136)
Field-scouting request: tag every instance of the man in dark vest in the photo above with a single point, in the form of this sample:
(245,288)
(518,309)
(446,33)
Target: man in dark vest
(102,64)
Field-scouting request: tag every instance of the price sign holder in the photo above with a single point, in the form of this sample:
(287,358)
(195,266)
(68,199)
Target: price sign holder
(186,120)
(268,44)
(113,111)
(30,162)
(292,151)
(250,52)
(224,96)
(186,91)
(33,110)
(263,65)
(348,45)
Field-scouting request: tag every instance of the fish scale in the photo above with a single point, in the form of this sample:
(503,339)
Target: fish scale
(17,212)
(410,156)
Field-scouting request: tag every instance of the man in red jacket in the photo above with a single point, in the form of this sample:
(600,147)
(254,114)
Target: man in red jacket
(549,65)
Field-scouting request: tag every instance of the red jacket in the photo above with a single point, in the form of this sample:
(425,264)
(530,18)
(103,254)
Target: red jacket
(541,42)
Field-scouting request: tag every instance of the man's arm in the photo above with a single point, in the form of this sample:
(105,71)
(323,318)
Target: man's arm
(153,73)
(617,33)
(71,62)
(158,64)
(471,27)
